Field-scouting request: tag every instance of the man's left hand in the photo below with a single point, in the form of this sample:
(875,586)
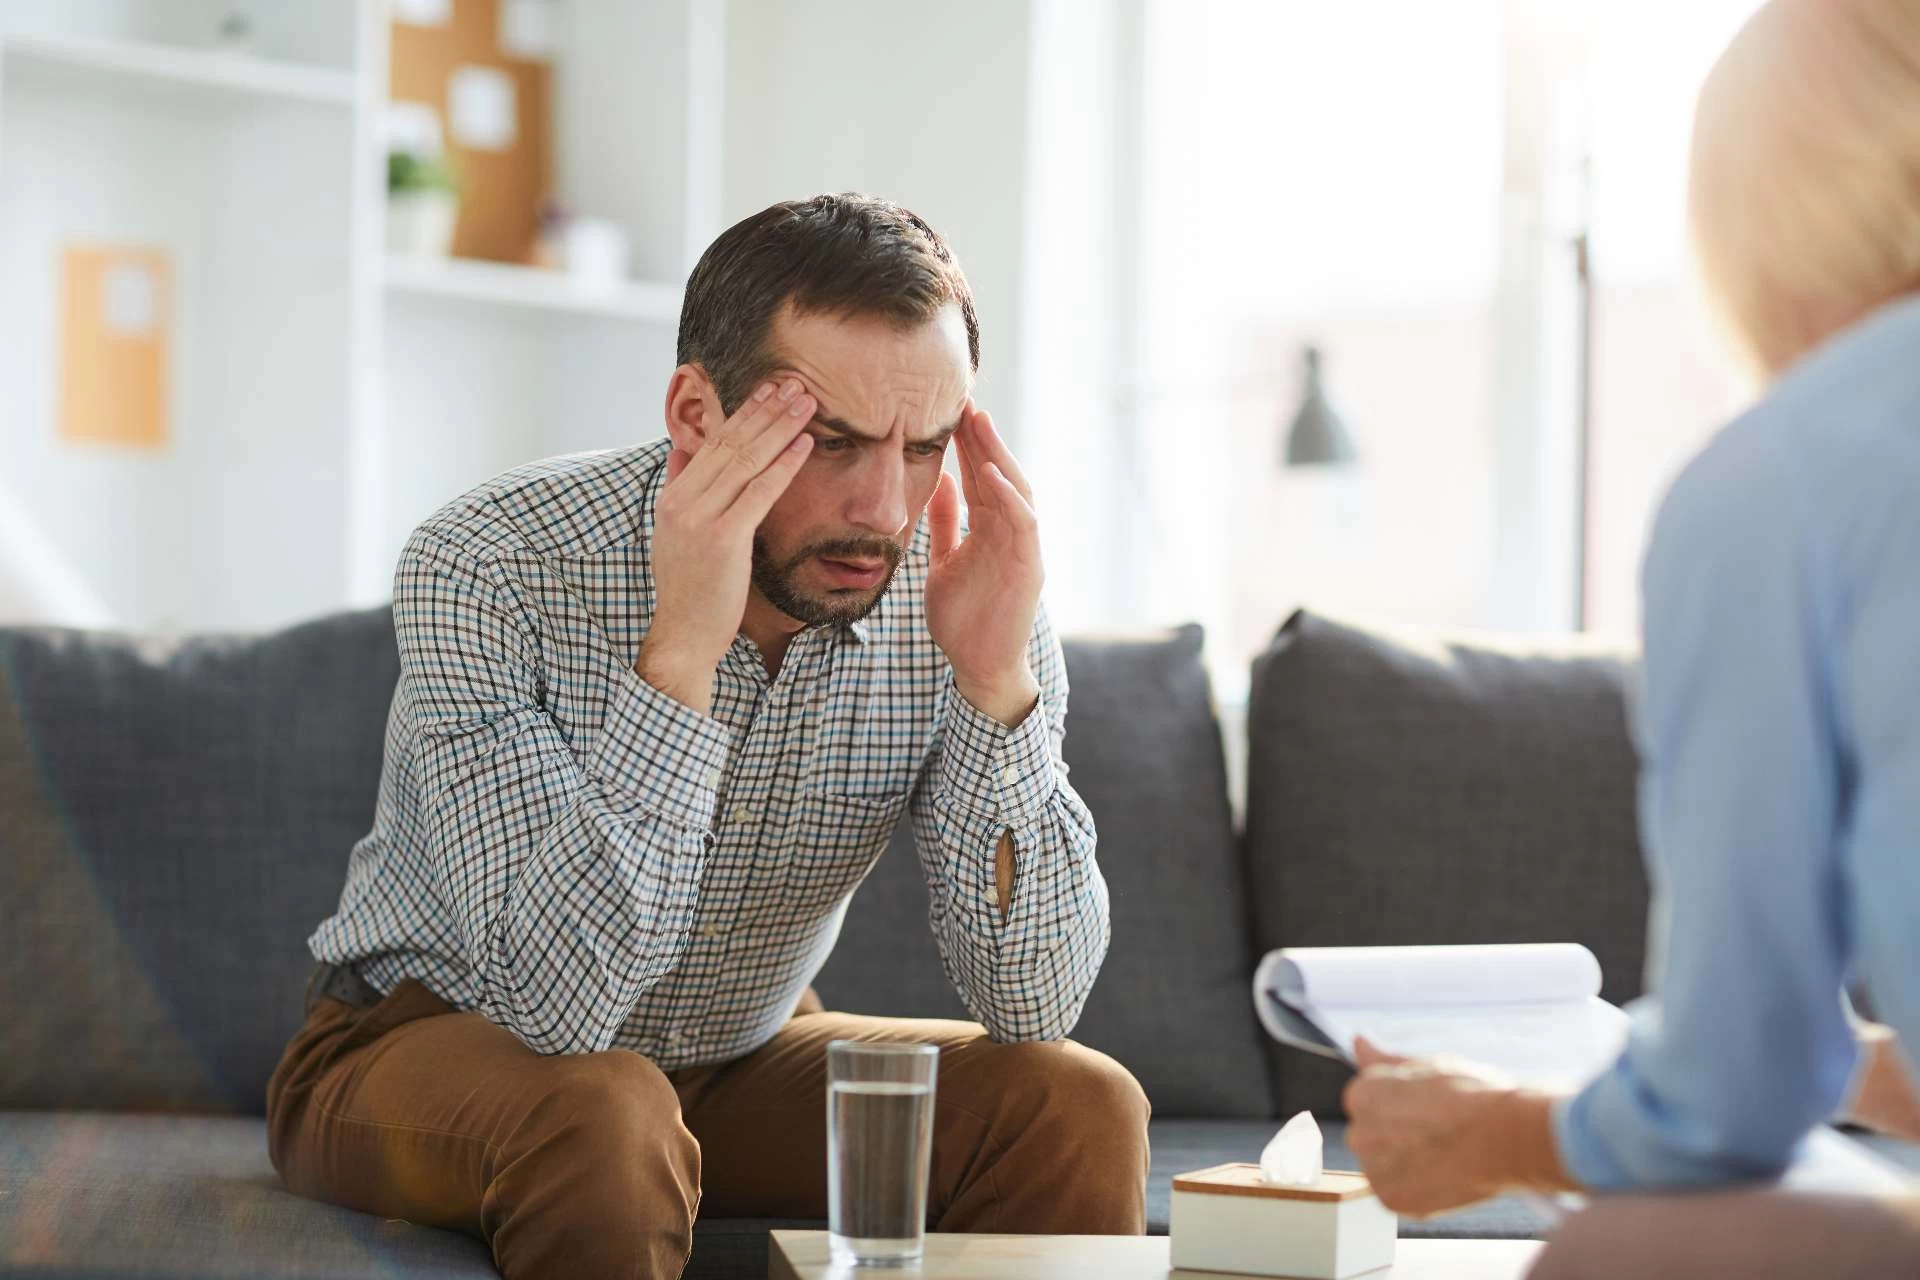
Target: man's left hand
(1434,1136)
(983,588)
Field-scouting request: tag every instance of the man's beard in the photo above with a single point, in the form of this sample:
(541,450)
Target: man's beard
(778,581)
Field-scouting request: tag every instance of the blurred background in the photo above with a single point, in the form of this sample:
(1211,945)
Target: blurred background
(1378,304)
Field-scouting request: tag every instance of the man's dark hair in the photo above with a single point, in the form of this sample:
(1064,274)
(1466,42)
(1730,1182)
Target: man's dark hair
(847,255)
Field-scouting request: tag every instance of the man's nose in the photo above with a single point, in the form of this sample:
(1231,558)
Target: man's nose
(879,501)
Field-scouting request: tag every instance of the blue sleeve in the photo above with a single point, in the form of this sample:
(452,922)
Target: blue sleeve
(1743,1045)
(1878,687)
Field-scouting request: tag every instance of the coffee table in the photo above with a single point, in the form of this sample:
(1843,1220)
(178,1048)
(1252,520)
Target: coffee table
(803,1255)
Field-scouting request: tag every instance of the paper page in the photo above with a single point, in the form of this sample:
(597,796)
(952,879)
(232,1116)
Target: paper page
(1546,1045)
(1289,1026)
(1373,977)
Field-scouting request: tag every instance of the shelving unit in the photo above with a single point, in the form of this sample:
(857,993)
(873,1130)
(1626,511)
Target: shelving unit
(324,397)
(101,66)
(534,287)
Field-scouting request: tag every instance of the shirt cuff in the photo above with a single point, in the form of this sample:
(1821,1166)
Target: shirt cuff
(1585,1160)
(996,772)
(665,756)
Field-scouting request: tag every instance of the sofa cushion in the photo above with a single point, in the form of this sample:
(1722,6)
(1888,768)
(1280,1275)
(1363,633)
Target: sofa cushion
(174,821)
(96,1195)
(1407,789)
(1172,1002)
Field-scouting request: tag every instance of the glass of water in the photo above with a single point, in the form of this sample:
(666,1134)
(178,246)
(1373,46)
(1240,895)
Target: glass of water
(879,1145)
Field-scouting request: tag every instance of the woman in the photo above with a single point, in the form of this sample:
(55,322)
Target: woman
(1780,719)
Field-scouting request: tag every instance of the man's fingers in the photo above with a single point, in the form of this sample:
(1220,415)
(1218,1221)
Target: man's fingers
(762,405)
(751,438)
(770,414)
(734,461)
(760,410)
(994,449)
(762,491)
(1010,500)
(943,517)
(969,468)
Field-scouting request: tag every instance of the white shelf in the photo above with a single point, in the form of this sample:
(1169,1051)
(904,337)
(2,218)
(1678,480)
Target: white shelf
(532,287)
(201,73)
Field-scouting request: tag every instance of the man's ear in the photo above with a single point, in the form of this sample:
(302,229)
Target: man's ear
(693,408)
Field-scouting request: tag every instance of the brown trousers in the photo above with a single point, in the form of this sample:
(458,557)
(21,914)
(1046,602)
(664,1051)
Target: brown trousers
(588,1165)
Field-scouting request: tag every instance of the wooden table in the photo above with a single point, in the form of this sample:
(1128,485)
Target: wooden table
(802,1255)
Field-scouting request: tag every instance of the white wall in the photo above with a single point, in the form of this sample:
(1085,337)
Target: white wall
(925,104)
(1012,126)
(1081,437)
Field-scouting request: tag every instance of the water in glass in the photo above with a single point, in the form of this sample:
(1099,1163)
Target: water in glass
(879,1144)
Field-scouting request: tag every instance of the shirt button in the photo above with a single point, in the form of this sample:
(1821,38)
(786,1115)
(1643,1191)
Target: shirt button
(712,931)
(1009,777)
(741,813)
(713,777)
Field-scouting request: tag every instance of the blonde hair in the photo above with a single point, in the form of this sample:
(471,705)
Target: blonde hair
(1804,191)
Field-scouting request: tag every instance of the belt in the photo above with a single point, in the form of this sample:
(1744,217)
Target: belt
(340,982)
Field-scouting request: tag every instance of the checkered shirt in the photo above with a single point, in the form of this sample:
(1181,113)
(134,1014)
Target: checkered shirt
(590,863)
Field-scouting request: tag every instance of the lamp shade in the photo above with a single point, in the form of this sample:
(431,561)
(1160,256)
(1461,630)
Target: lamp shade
(1316,437)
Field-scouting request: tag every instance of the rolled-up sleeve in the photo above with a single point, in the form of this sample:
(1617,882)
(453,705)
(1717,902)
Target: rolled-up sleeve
(1025,976)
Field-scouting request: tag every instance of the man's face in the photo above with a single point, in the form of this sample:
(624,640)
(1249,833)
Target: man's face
(889,400)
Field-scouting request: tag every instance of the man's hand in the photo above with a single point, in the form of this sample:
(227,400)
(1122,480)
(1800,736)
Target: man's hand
(983,590)
(703,536)
(1434,1136)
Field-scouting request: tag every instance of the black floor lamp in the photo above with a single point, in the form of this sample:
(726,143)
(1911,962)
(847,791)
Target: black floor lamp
(1316,437)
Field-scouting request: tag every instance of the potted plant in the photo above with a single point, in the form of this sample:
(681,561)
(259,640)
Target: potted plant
(423,200)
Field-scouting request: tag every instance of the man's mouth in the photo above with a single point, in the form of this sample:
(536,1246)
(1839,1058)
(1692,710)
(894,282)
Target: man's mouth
(854,574)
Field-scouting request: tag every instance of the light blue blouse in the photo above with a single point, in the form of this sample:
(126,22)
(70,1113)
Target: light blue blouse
(1779,727)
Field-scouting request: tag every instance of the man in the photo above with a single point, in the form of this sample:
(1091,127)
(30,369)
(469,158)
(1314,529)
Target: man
(659,710)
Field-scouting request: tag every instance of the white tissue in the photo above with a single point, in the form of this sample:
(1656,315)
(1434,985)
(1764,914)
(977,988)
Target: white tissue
(1293,1158)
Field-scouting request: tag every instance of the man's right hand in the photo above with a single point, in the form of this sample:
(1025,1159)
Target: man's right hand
(703,531)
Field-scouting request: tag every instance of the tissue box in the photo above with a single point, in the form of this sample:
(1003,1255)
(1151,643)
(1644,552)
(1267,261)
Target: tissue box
(1227,1219)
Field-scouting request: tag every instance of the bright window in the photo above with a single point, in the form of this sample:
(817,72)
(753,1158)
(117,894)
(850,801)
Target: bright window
(1357,176)
(1308,180)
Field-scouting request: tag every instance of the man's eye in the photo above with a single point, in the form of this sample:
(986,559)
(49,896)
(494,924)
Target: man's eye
(928,450)
(832,444)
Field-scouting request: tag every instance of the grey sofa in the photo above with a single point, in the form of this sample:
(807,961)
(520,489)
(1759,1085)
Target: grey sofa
(175,818)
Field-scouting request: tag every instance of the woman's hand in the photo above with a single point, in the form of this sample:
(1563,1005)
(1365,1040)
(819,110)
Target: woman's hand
(1883,1095)
(1434,1136)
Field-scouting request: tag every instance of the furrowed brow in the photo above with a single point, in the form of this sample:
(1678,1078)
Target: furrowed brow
(841,427)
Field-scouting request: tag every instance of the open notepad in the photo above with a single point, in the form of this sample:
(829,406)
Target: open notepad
(1532,1011)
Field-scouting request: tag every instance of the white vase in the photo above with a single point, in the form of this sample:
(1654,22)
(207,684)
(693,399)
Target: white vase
(421,222)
